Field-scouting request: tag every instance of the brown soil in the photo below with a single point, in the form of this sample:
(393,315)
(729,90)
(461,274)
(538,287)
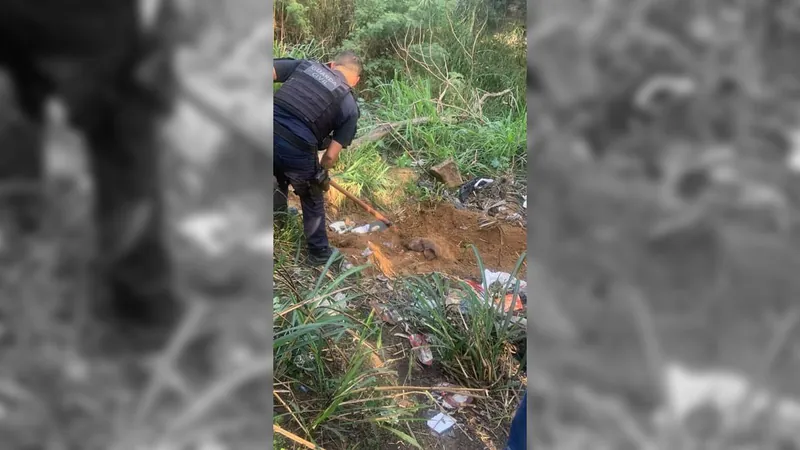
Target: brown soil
(471,432)
(449,230)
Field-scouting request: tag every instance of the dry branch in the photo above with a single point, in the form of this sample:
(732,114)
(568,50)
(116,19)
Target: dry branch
(297,439)
(384,129)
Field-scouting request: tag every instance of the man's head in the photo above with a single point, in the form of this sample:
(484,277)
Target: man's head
(349,64)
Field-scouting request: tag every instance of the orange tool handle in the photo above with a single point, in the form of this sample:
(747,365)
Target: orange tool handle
(362,204)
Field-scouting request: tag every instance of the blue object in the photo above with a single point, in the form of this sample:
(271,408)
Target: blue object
(518,436)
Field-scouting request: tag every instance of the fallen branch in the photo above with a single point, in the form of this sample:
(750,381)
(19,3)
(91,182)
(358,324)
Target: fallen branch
(297,439)
(454,390)
(487,96)
(384,129)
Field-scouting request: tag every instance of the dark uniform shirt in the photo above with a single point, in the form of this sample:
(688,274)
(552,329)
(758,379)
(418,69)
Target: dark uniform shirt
(346,123)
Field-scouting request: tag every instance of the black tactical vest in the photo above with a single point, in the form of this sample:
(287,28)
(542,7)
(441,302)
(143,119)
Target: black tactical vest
(313,94)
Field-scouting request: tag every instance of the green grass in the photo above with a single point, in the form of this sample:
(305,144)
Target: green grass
(485,136)
(422,60)
(472,343)
(322,351)
(326,340)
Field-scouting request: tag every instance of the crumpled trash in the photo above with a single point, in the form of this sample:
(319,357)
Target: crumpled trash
(419,346)
(366,228)
(441,422)
(504,302)
(367,251)
(339,226)
(503,278)
(329,306)
(363,229)
(386,314)
(510,302)
(471,186)
(525,202)
(451,400)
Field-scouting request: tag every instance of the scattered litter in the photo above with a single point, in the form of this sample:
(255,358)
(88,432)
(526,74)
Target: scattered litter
(452,400)
(510,302)
(419,163)
(367,251)
(347,265)
(363,229)
(328,305)
(419,344)
(386,314)
(482,183)
(454,297)
(403,403)
(502,278)
(441,423)
(304,361)
(428,302)
(471,186)
(521,321)
(525,202)
(304,389)
(340,227)
(476,286)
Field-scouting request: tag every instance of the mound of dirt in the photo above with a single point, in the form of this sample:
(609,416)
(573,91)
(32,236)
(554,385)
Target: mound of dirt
(446,231)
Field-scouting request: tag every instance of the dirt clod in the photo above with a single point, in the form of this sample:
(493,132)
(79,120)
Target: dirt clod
(447,173)
(430,249)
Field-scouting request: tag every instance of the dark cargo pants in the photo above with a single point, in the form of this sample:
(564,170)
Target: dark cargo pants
(298,168)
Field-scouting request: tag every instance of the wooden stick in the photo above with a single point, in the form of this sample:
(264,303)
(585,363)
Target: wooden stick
(362,204)
(382,130)
(297,439)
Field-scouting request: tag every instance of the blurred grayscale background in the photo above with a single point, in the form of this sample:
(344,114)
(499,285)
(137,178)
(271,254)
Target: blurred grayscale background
(55,397)
(664,195)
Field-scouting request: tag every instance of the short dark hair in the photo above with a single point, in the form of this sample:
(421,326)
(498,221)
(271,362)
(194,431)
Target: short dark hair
(350,59)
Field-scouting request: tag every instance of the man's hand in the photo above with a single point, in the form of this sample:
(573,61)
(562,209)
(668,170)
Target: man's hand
(331,155)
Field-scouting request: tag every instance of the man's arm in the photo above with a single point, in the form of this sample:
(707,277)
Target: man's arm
(342,138)
(331,155)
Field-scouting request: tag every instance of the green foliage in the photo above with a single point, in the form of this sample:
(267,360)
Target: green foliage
(321,350)
(459,72)
(470,340)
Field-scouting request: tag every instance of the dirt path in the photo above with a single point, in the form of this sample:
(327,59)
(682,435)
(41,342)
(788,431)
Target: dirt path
(451,230)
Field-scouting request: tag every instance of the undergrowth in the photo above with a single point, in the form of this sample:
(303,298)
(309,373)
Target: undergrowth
(435,60)
(333,382)
(449,76)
